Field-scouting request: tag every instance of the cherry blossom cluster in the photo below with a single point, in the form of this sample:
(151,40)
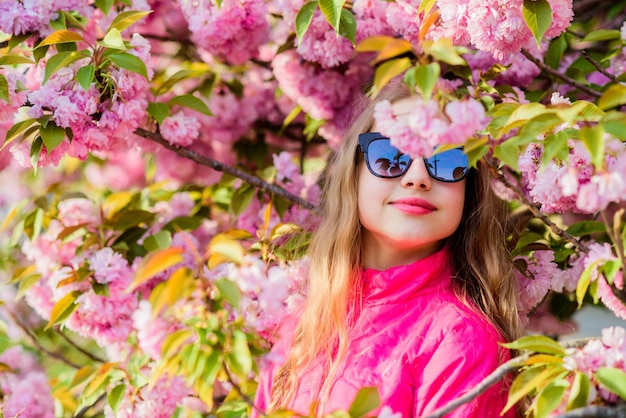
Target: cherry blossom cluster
(25,388)
(608,351)
(575,185)
(429,126)
(268,294)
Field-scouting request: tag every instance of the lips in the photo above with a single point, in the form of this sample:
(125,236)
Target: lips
(414,206)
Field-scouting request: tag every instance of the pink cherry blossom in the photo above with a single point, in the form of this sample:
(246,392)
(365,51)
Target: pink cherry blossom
(233,31)
(180,129)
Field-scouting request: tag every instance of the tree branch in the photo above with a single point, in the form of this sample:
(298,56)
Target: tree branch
(224,168)
(245,397)
(599,67)
(34,340)
(562,77)
(81,349)
(595,411)
(495,376)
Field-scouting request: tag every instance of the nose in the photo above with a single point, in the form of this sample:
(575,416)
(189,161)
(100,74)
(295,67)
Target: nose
(417,176)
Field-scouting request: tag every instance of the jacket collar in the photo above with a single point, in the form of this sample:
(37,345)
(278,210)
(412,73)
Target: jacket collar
(400,283)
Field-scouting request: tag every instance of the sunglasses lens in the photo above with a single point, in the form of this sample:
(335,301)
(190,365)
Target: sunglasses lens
(384,160)
(451,165)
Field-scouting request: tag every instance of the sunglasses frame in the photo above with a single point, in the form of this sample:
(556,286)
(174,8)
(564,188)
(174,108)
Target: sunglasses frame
(365,139)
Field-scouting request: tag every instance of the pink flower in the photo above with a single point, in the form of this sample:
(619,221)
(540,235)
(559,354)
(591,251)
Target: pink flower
(157,401)
(26,390)
(322,45)
(77,211)
(536,281)
(109,266)
(609,298)
(151,330)
(233,32)
(180,130)
(428,126)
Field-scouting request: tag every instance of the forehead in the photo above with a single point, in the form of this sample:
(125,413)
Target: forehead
(402,109)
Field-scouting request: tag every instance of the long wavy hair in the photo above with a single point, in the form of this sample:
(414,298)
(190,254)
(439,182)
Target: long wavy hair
(484,272)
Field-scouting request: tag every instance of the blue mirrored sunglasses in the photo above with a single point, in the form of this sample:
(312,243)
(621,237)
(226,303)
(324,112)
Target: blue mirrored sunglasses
(386,161)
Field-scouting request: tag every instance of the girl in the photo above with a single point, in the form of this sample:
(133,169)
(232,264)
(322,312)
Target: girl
(410,288)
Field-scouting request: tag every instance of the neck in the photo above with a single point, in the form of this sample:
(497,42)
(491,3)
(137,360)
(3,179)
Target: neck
(383,257)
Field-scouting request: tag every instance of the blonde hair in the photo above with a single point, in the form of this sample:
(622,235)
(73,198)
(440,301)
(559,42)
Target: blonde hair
(484,271)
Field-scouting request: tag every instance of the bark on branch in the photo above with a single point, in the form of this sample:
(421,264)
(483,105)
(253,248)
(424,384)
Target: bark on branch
(495,376)
(224,168)
(560,76)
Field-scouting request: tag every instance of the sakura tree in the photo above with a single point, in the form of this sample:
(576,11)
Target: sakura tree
(160,166)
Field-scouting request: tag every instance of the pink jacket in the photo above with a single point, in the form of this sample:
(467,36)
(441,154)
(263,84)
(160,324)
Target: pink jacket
(413,340)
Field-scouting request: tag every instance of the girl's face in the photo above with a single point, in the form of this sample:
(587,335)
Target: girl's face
(405,219)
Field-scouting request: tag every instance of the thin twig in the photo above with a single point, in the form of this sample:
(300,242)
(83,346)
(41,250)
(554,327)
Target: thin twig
(561,76)
(493,378)
(233,171)
(34,341)
(535,211)
(245,397)
(4,44)
(595,411)
(83,411)
(81,349)
(599,67)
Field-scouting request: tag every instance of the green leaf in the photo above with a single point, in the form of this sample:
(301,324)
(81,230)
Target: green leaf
(10,59)
(615,124)
(239,355)
(389,70)
(555,146)
(133,217)
(126,19)
(613,97)
(113,40)
(583,228)
(35,152)
(229,291)
(52,135)
(16,129)
(365,401)
(154,263)
(538,16)
(241,198)
(85,75)
(550,397)
(444,50)
(159,111)
(347,25)
(191,102)
(584,280)
(183,223)
(158,241)
(531,379)
(63,308)
(579,394)
(62,59)
(425,77)
(130,62)
(613,379)
(593,138)
(554,55)
(104,5)
(60,37)
(304,18)
(602,35)
(536,343)
(115,397)
(15,40)
(4,89)
(426,6)
(332,10)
